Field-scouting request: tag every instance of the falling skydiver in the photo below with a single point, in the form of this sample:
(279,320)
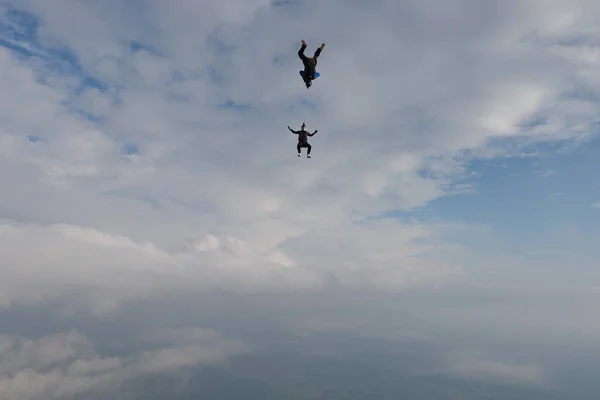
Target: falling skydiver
(303,139)
(310,64)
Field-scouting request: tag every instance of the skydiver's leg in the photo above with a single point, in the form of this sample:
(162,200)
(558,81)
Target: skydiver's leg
(299,148)
(308,149)
(301,54)
(318,53)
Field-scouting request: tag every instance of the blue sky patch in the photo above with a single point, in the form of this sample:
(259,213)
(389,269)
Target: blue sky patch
(232,105)
(34,139)
(135,47)
(130,149)
(18,33)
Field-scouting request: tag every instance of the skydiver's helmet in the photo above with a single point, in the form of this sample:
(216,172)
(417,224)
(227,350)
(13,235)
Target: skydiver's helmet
(303,126)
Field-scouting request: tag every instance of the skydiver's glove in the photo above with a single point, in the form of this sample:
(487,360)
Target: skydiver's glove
(316,131)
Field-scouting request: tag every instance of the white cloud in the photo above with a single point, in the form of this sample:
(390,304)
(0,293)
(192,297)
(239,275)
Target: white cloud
(498,371)
(216,198)
(107,269)
(66,364)
(547,173)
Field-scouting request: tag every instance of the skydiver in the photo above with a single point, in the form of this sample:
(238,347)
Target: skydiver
(310,63)
(303,139)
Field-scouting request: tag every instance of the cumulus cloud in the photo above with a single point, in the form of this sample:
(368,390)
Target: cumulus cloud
(66,364)
(213,195)
(107,269)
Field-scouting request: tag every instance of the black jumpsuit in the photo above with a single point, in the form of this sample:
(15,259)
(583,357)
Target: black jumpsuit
(303,140)
(310,64)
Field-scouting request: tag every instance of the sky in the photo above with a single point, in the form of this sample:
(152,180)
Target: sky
(160,238)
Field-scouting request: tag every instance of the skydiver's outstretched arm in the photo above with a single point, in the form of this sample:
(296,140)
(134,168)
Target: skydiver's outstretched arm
(293,131)
(312,134)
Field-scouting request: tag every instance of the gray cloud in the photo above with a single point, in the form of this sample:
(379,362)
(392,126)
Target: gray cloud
(66,364)
(497,371)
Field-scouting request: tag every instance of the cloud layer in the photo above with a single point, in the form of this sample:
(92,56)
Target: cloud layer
(67,364)
(145,157)
(212,195)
